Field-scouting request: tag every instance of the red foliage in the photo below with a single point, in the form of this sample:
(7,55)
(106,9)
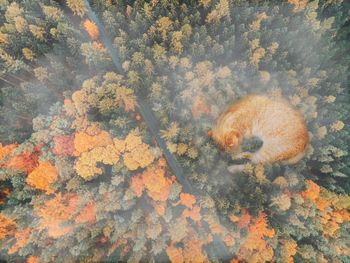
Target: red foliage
(87,215)
(200,107)
(244,219)
(64,145)
(26,161)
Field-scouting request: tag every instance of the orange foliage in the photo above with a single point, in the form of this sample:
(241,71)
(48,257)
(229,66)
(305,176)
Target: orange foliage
(187,200)
(42,176)
(4,193)
(328,214)
(199,107)
(117,244)
(255,248)
(158,186)
(312,191)
(87,215)
(330,221)
(214,224)
(6,150)
(152,180)
(22,239)
(192,251)
(322,204)
(7,226)
(56,211)
(160,208)
(64,145)
(91,29)
(229,240)
(32,259)
(69,107)
(244,220)
(174,254)
(193,213)
(137,185)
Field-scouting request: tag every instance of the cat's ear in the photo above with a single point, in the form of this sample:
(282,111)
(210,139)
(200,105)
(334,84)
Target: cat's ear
(231,138)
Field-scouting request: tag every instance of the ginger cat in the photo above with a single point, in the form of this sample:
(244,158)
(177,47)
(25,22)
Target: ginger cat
(281,128)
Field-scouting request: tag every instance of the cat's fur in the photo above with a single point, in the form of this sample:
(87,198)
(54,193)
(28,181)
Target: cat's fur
(281,128)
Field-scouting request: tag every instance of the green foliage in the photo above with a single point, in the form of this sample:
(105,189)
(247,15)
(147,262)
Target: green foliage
(189,61)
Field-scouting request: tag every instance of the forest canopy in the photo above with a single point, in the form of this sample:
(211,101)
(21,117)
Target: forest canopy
(84,176)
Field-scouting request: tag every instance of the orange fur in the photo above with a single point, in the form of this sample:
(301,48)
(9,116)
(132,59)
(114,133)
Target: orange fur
(281,128)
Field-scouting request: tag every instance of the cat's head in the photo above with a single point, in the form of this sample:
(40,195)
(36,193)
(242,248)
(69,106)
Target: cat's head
(227,141)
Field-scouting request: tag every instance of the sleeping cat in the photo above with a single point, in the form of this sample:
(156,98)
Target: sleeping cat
(274,121)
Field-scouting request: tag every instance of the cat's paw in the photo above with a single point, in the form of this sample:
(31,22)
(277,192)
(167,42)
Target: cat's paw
(236,168)
(243,155)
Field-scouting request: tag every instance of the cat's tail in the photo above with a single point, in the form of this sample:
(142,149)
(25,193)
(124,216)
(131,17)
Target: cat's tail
(296,158)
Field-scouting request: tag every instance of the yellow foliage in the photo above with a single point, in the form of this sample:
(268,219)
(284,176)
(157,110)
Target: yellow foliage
(164,24)
(85,166)
(140,156)
(132,141)
(41,73)
(51,12)
(3,38)
(37,32)
(256,24)
(28,54)
(176,42)
(298,4)
(125,97)
(83,141)
(289,249)
(258,54)
(13,10)
(221,10)
(42,176)
(137,154)
(79,97)
(77,6)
